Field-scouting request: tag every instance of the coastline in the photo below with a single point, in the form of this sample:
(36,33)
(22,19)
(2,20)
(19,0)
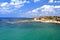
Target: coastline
(49,21)
(56,22)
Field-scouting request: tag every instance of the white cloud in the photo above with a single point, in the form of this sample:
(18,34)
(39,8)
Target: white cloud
(57,1)
(45,10)
(36,0)
(54,1)
(4,4)
(57,6)
(18,2)
(35,10)
(51,1)
(12,6)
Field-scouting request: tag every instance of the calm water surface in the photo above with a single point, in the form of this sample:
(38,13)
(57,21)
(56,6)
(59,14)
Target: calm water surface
(29,31)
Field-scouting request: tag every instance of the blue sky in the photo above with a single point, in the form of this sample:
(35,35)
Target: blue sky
(29,8)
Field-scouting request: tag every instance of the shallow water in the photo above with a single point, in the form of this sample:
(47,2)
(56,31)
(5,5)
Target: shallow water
(29,31)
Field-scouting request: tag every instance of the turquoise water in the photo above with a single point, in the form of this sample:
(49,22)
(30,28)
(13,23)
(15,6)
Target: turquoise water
(29,31)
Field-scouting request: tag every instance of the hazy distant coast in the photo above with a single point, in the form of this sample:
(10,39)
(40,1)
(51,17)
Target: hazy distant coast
(58,22)
(46,19)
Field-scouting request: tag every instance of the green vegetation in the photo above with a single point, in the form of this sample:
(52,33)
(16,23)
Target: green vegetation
(56,18)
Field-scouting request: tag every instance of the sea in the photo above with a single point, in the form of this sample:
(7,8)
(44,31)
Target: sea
(29,31)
